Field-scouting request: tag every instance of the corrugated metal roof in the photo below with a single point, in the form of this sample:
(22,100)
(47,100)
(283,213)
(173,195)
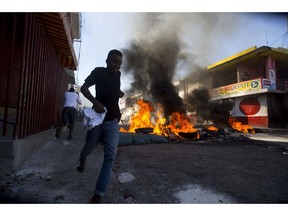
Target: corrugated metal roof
(58,31)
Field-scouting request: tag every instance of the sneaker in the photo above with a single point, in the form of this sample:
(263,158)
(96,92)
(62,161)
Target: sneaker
(95,199)
(58,132)
(81,165)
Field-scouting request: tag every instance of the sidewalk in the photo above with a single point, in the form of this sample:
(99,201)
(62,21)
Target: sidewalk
(236,169)
(50,175)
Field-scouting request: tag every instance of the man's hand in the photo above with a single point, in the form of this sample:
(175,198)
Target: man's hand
(98,107)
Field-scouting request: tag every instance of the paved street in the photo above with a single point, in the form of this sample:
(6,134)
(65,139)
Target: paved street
(239,168)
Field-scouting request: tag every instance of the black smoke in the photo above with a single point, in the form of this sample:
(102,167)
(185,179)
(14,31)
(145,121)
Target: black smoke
(152,64)
(199,100)
(161,54)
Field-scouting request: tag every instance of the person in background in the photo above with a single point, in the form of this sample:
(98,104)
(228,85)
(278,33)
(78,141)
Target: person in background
(71,101)
(107,88)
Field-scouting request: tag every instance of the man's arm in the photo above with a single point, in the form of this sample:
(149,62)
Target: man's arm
(98,107)
(79,101)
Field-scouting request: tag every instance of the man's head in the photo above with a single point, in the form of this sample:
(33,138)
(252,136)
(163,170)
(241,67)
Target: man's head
(71,89)
(114,60)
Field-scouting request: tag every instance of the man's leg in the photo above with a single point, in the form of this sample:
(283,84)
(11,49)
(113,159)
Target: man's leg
(72,116)
(71,127)
(110,138)
(91,141)
(58,132)
(64,121)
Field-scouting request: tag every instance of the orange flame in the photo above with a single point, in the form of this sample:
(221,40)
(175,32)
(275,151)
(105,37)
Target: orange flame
(238,126)
(143,117)
(177,122)
(211,128)
(180,123)
(122,129)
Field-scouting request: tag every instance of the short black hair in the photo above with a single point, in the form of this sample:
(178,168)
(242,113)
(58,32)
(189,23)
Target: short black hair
(113,53)
(71,89)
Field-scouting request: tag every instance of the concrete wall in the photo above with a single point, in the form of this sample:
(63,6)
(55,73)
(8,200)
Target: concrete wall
(15,152)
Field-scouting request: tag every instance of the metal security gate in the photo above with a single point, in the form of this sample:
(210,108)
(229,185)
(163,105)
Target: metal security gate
(32,79)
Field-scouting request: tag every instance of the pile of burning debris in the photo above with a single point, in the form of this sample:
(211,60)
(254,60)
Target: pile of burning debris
(178,126)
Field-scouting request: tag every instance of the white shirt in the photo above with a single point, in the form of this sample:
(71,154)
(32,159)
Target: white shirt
(71,99)
(92,118)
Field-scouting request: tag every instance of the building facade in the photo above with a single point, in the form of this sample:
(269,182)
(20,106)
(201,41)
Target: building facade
(256,80)
(36,60)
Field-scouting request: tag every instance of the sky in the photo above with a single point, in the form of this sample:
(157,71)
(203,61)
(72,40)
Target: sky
(208,36)
(211,30)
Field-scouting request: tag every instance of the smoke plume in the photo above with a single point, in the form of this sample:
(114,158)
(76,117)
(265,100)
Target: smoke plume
(216,111)
(153,61)
(161,53)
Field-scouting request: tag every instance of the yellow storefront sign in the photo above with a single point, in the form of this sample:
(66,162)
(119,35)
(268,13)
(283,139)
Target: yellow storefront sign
(250,85)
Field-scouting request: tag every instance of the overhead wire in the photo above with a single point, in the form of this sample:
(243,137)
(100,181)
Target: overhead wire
(285,39)
(283,36)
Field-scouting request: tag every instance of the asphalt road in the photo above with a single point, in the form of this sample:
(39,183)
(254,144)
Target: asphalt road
(233,169)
